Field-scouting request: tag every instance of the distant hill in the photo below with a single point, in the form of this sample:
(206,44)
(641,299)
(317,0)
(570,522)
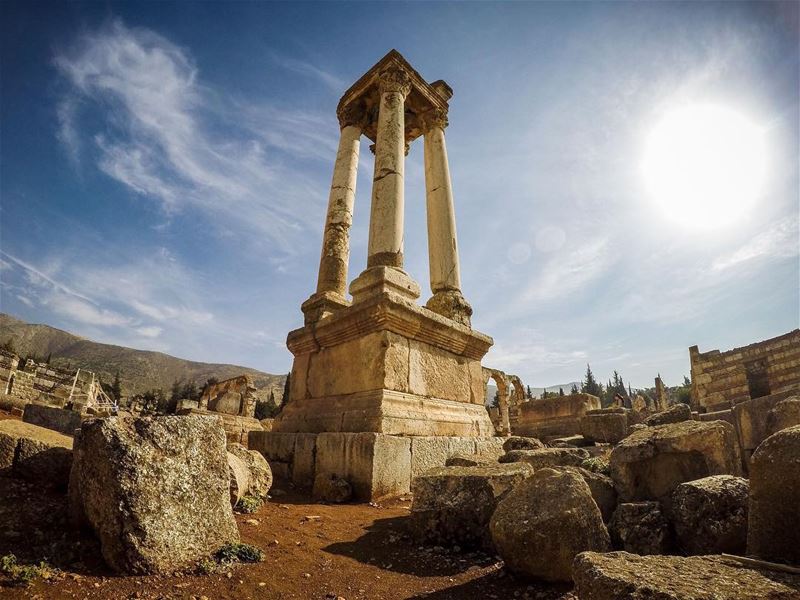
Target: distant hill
(139,370)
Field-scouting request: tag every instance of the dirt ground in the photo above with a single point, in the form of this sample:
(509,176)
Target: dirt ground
(313,551)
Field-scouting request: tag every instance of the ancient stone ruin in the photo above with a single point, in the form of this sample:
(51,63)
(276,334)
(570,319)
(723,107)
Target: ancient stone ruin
(380,377)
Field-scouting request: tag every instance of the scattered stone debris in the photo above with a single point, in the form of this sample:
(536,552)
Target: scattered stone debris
(154,490)
(640,528)
(333,489)
(621,575)
(546,520)
(453,505)
(774,519)
(709,515)
(674,414)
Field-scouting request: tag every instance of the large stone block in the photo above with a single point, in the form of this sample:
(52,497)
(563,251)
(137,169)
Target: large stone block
(621,575)
(58,419)
(674,414)
(709,515)
(291,456)
(752,418)
(641,528)
(547,457)
(785,414)
(35,453)
(649,464)
(554,417)
(428,452)
(774,521)
(377,466)
(545,521)
(453,505)
(154,490)
(605,425)
(259,472)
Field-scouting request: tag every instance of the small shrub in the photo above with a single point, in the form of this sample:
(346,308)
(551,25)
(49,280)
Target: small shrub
(597,464)
(207,566)
(24,574)
(230,553)
(248,504)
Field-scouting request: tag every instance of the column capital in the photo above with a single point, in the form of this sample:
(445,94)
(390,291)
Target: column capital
(394,79)
(352,115)
(435,117)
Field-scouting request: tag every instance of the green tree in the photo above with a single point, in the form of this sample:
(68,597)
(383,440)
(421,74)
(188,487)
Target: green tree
(495,402)
(287,386)
(589,384)
(9,346)
(574,389)
(116,388)
(528,393)
(560,391)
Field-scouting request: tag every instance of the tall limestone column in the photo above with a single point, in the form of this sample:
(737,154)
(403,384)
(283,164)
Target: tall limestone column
(445,275)
(384,271)
(335,255)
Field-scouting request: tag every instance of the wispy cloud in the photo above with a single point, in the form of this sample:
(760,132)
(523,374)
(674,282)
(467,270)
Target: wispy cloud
(780,240)
(306,68)
(167,136)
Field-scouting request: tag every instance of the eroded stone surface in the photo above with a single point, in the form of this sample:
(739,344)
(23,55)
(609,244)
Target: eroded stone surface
(649,464)
(621,575)
(545,521)
(607,425)
(453,505)
(640,528)
(785,414)
(522,443)
(774,520)
(674,414)
(709,515)
(35,453)
(547,457)
(156,490)
(259,472)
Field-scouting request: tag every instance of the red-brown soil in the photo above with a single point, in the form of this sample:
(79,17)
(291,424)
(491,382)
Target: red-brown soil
(353,551)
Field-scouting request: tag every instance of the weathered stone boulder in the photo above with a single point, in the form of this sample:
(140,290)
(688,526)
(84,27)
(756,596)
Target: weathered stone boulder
(453,505)
(636,427)
(569,441)
(546,520)
(620,575)
(156,490)
(649,464)
(258,468)
(602,488)
(674,414)
(35,453)
(709,515)
(239,476)
(641,528)
(522,443)
(607,425)
(468,460)
(774,514)
(547,457)
(334,489)
(785,414)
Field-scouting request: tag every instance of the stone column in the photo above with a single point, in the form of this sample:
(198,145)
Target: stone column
(386,216)
(384,273)
(335,255)
(445,275)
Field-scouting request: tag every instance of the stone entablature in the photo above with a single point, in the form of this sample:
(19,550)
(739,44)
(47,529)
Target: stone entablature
(721,379)
(235,396)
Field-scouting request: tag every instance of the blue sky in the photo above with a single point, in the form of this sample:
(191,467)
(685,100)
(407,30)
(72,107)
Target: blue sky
(165,170)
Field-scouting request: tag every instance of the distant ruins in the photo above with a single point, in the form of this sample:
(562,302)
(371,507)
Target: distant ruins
(721,379)
(381,364)
(234,396)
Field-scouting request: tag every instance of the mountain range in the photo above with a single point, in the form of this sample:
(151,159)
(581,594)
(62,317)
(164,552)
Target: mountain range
(139,370)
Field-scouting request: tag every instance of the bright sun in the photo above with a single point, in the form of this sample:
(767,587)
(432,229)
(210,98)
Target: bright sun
(704,165)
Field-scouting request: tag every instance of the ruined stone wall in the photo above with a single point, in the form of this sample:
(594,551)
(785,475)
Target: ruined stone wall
(760,369)
(235,396)
(37,381)
(554,417)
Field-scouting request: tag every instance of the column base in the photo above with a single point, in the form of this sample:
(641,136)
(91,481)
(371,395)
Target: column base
(321,305)
(451,304)
(376,281)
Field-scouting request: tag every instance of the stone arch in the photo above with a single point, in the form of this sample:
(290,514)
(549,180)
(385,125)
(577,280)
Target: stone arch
(501,380)
(517,395)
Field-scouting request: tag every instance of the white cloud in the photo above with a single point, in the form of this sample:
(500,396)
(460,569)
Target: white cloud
(160,135)
(311,70)
(149,332)
(780,240)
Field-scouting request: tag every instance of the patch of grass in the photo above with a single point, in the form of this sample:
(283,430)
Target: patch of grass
(597,464)
(207,566)
(231,553)
(24,574)
(249,504)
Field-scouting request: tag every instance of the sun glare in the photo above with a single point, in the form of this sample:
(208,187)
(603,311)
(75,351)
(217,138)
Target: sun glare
(704,165)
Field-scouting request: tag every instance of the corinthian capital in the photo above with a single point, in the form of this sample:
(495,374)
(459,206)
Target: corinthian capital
(394,79)
(435,117)
(352,114)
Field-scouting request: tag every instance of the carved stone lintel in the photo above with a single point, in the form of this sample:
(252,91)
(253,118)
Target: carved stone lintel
(394,79)
(435,117)
(352,114)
